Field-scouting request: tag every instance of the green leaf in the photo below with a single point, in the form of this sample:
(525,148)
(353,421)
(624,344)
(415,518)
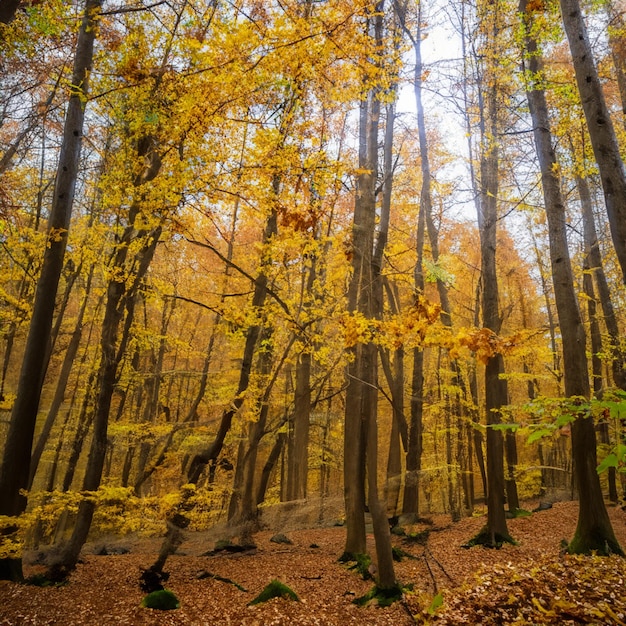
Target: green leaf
(503,427)
(435,604)
(610,460)
(539,434)
(564,419)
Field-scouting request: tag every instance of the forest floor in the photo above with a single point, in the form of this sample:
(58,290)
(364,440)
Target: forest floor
(531,583)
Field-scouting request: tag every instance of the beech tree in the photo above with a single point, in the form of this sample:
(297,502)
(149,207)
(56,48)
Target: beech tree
(594,531)
(490,92)
(15,470)
(600,125)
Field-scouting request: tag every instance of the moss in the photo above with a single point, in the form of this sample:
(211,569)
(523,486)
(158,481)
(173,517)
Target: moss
(419,538)
(595,541)
(521,513)
(163,600)
(358,563)
(275,589)
(485,538)
(399,554)
(381,597)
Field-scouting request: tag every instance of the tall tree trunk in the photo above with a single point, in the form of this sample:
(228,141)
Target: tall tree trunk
(15,469)
(64,375)
(496,395)
(268,468)
(120,300)
(596,268)
(594,530)
(395,378)
(364,298)
(298,462)
(210,454)
(360,283)
(600,125)
(617,42)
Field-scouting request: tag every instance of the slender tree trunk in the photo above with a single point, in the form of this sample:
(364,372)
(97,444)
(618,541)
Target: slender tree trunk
(596,268)
(600,125)
(85,419)
(120,298)
(496,395)
(362,392)
(594,530)
(211,453)
(15,469)
(395,378)
(64,375)
(354,428)
(268,468)
(617,42)
(298,468)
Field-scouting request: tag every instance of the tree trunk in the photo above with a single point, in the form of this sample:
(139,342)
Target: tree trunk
(64,375)
(211,453)
(268,468)
(618,53)
(15,469)
(596,268)
(594,530)
(8,8)
(600,125)
(120,298)
(358,295)
(496,395)
(366,299)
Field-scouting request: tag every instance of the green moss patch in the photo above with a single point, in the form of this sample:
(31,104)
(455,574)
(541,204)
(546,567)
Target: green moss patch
(358,563)
(162,600)
(275,589)
(595,542)
(377,596)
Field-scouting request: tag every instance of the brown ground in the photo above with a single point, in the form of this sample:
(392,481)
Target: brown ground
(104,589)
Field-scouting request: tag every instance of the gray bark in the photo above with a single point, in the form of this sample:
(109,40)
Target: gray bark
(601,132)
(594,530)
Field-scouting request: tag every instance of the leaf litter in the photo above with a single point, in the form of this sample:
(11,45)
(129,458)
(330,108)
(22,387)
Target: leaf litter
(531,583)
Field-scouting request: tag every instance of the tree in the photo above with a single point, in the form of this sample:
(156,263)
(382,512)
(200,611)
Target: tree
(361,434)
(496,394)
(594,531)
(600,125)
(15,469)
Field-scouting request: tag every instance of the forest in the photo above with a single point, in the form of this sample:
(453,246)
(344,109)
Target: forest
(350,268)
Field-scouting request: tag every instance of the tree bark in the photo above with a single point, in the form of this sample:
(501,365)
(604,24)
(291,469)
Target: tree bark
(600,125)
(15,469)
(366,299)
(594,530)
(59,394)
(595,267)
(8,9)
(298,467)
(496,395)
